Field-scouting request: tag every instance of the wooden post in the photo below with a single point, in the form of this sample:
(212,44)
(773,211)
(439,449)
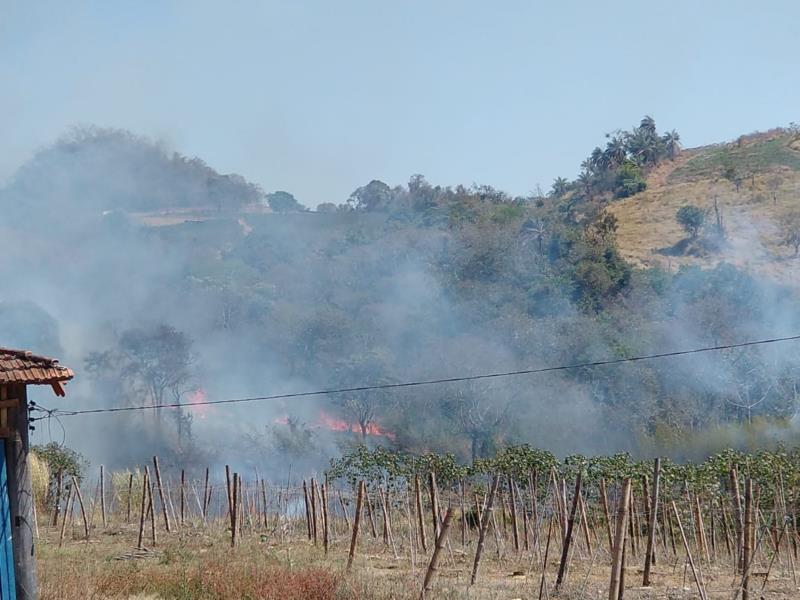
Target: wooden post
(314,509)
(651,527)
(434,503)
(440,542)
(606,513)
(103,495)
(513,501)
(83,508)
(325,525)
(59,490)
(698,583)
(130,498)
(562,567)
(183,497)
(235,509)
(308,509)
(546,555)
(418,498)
(484,526)
(206,496)
(356,522)
(747,548)
(64,520)
(619,540)
(145,489)
(161,495)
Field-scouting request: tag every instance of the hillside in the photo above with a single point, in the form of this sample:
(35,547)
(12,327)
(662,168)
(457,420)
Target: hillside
(756,181)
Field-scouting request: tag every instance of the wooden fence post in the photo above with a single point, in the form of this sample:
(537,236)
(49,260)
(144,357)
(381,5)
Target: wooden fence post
(619,540)
(651,527)
(356,522)
(484,526)
(440,542)
(562,567)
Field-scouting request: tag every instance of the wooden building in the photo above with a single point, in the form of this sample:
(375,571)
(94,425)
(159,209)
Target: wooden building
(19,369)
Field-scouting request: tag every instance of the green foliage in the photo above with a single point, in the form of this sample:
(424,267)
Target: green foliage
(61,458)
(629,180)
(691,218)
(282,202)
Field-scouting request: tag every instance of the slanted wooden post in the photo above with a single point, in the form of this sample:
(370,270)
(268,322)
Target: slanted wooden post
(440,542)
(103,495)
(356,523)
(651,526)
(484,526)
(161,495)
(619,540)
(562,567)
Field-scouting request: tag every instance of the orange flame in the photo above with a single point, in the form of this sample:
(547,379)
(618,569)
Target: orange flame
(196,399)
(326,421)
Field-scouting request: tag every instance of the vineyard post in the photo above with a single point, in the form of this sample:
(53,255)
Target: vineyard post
(356,522)
(546,555)
(235,492)
(151,511)
(264,502)
(434,503)
(370,512)
(64,521)
(206,496)
(440,542)
(139,543)
(183,497)
(308,509)
(651,528)
(344,509)
(619,540)
(314,496)
(420,517)
(82,507)
(161,494)
(325,525)
(695,574)
(604,502)
(484,525)
(562,567)
(738,519)
(103,495)
(513,501)
(59,489)
(130,498)
(747,542)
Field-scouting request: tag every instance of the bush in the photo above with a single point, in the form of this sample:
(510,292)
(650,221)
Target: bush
(691,218)
(629,180)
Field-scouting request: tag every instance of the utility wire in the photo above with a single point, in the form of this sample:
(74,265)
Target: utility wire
(407,384)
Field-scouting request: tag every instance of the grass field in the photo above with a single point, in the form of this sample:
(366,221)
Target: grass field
(275,558)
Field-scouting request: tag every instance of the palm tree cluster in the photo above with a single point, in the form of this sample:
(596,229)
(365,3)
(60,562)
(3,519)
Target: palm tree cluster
(621,165)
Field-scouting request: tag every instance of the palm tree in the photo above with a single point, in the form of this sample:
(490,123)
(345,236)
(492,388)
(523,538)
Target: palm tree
(560,187)
(648,123)
(615,151)
(672,143)
(586,183)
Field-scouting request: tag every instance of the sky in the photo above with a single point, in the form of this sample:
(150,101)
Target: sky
(320,97)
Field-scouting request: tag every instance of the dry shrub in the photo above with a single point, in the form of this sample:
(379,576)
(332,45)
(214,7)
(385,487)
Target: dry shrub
(220,580)
(40,480)
(119,488)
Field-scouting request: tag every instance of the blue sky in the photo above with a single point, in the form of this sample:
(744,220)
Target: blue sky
(320,97)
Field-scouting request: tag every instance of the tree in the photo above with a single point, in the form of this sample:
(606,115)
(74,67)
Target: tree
(155,360)
(326,207)
(791,232)
(672,143)
(629,180)
(283,202)
(374,196)
(559,188)
(691,218)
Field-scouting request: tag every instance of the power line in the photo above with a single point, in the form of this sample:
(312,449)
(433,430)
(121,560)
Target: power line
(407,384)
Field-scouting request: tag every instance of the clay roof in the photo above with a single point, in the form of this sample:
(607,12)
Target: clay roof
(21,366)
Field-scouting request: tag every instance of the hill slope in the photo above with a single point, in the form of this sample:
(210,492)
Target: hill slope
(756,181)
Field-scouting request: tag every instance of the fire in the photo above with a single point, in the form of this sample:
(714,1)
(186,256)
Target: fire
(196,400)
(326,421)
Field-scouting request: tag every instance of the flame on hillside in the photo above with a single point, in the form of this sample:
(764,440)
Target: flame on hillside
(326,421)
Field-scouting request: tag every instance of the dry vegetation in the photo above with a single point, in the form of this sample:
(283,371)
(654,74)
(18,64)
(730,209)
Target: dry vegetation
(279,559)
(754,207)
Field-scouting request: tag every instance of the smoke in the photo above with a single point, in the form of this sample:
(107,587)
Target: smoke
(297,302)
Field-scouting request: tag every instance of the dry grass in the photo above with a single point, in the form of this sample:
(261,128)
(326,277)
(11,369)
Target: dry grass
(753,215)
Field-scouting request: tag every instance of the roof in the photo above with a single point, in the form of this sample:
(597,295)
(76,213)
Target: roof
(21,366)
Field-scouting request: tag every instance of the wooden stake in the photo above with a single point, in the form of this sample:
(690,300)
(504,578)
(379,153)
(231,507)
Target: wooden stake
(161,495)
(434,502)
(325,526)
(356,522)
(604,502)
(183,497)
(82,507)
(513,501)
(308,510)
(562,567)
(235,509)
(64,520)
(103,495)
(59,489)
(418,497)
(440,542)
(651,527)
(698,583)
(130,498)
(747,549)
(484,525)
(145,488)
(619,540)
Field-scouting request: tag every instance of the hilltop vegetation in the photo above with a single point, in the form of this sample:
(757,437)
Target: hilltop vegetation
(399,283)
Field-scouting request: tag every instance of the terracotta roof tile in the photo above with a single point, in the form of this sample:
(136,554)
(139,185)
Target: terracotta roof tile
(20,366)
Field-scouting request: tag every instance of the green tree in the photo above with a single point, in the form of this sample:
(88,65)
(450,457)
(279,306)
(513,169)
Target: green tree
(559,188)
(691,218)
(629,180)
(282,202)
